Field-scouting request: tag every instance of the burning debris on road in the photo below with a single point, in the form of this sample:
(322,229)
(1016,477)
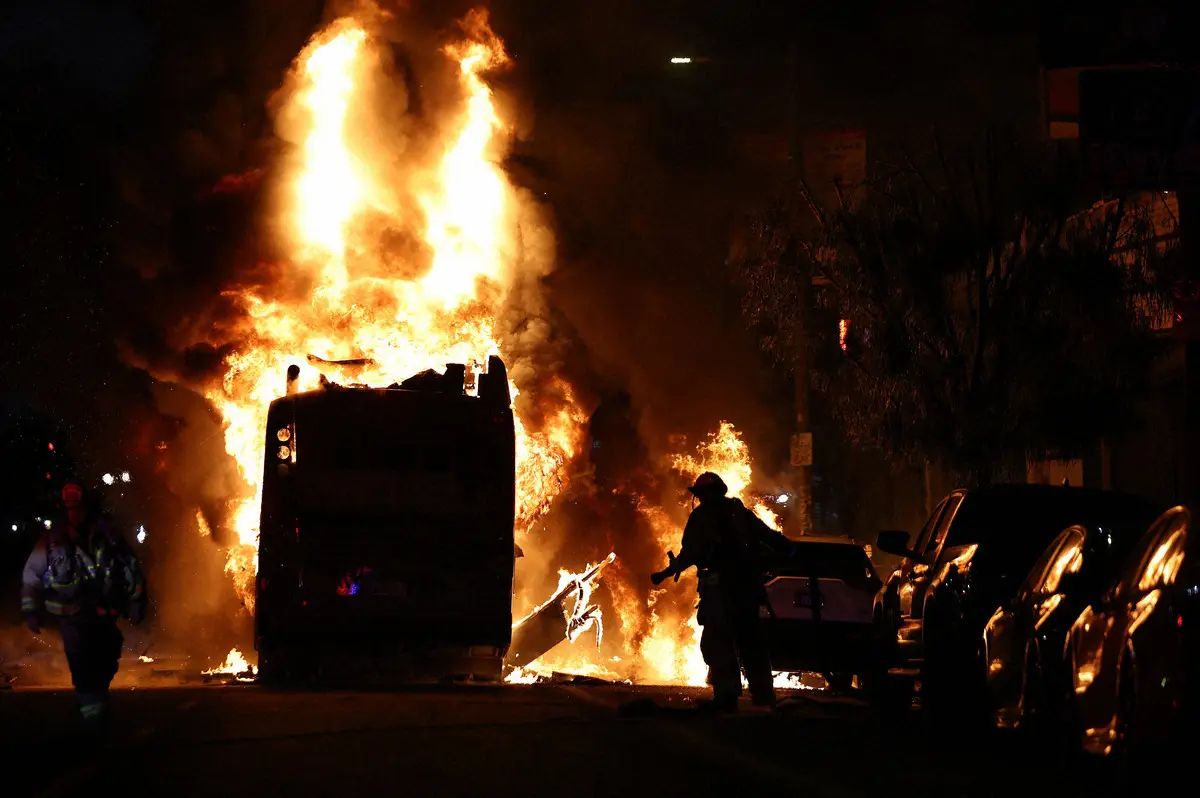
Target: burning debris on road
(234,668)
(563,618)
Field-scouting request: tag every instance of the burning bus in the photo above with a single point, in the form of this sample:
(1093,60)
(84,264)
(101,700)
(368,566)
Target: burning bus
(386,539)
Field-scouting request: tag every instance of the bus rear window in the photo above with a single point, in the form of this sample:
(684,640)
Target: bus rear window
(418,444)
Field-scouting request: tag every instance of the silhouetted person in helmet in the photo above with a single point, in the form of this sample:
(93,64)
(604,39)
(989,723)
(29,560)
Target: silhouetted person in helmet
(729,546)
(87,576)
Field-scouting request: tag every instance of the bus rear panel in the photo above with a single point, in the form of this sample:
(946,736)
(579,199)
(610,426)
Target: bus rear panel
(387,534)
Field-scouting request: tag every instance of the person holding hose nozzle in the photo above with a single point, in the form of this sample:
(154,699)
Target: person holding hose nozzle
(729,546)
(85,574)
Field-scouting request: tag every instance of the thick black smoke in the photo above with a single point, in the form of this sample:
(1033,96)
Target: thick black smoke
(641,171)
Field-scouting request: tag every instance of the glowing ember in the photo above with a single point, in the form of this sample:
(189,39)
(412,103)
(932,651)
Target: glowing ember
(576,665)
(405,309)
(791,681)
(523,676)
(144,658)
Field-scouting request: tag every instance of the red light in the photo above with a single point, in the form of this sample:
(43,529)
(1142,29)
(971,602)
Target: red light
(51,445)
(47,475)
(1179,621)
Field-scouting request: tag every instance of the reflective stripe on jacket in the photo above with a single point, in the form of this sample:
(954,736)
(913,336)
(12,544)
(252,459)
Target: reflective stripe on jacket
(66,576)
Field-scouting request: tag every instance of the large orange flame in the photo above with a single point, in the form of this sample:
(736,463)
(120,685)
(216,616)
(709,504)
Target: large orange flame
(726,455)
(348,291)
(662,634)
(357,301)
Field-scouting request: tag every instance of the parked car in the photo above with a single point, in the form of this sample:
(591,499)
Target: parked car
(1028,678)
(969,558)
(1134,654)
(820,615)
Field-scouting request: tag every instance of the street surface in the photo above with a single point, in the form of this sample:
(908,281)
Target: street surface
(483,740)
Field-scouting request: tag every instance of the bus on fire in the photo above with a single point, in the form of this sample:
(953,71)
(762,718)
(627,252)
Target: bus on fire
(387,520)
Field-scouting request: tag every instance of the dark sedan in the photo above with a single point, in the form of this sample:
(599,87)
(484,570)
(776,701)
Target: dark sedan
(1029,683)
(1133,654)
(976,547)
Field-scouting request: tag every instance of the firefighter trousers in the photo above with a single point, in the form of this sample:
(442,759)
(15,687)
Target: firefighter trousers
(732,640)
(93,647)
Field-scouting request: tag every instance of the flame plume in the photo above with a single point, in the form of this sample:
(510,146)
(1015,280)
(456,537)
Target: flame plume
(661,633)
(726,455)
(337,209)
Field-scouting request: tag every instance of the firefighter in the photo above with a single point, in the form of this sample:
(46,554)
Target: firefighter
(86,575)
(729,544)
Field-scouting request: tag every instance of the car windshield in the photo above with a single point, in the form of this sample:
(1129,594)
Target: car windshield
(1104,552)
(1018,524)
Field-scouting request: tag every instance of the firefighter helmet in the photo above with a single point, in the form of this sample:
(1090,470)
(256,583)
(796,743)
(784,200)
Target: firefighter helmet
(709,484)
(72,495)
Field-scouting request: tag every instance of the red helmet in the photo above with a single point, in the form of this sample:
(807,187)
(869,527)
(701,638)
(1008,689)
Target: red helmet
(709,484)
(72,495)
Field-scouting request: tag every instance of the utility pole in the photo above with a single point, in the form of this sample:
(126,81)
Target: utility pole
(801,443)
(1189,204)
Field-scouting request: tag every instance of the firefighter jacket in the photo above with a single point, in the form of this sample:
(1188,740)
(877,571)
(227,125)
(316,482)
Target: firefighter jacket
(94,573)
(726,541)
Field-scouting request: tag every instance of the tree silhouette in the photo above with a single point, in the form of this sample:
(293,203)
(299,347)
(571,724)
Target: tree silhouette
(968,311)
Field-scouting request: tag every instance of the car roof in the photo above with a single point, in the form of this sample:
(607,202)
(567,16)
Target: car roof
(826,539)
(1020,490)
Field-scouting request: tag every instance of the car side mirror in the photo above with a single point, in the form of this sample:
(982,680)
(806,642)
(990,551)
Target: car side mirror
(894,541)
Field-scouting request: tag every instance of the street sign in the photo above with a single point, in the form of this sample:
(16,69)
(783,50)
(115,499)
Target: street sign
(802,454)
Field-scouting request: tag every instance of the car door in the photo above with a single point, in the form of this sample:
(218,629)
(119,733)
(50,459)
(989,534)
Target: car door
(930,549)
(1154,636)
(1010,628)
(1104,637)
(912,569)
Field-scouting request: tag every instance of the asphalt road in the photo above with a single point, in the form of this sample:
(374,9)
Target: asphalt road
(472,740)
